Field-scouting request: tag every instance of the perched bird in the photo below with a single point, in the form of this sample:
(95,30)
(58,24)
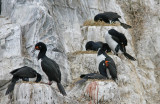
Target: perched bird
(117,42)
(85,77)
(106,64)
(110,17)
(23,73)
(94,46)
(50,67)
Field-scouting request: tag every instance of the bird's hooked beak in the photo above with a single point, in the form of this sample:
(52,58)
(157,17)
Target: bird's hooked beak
(36,48)
(106,63)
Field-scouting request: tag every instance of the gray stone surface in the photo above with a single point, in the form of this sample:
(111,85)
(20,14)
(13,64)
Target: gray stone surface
(59,23)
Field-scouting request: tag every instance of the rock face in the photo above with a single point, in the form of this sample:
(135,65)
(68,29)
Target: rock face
(59,23)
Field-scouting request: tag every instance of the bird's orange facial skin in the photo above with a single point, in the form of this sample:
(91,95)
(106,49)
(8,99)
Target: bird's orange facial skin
(37,47)
(106,63)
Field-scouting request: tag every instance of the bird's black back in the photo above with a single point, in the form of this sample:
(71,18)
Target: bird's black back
(102,68)
(90,45)
(24,72)
(101,17)
(51,68)
(93,76)
(112,15)
(118,37)
(107,16)
(111,67)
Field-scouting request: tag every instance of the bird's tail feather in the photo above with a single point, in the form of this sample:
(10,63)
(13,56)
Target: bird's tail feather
(125,25)
(129,56)
(11,85)
(61,89)
(39,77)
(81,81)
(82,75)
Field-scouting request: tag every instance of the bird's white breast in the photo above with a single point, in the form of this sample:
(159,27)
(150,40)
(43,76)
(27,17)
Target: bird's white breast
(99,59)
(112,44)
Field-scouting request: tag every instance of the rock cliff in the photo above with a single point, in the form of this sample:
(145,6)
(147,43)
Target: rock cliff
(59,23)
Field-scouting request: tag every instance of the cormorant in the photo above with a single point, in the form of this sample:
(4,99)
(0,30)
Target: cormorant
(85,77)
(117,42)
(110,17)
(106,64)
(91,45)
(23,73)
(50,67)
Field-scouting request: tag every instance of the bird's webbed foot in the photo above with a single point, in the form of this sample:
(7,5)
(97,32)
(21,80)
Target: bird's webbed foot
(50,82)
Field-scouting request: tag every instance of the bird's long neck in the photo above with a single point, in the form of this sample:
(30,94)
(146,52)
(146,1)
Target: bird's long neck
(42,54)
(101,51)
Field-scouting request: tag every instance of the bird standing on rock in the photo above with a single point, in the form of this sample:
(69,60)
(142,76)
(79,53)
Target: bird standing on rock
(106,64)
(23,73)
(117,42)
(109,17)
(50,67)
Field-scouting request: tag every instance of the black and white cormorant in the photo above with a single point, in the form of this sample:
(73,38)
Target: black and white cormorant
(110,17)
(105,63)
(94,46)
(117,42)
(23,73)
(50,67)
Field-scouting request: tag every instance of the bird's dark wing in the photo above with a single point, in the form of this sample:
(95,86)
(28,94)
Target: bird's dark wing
(14,71)
(24,72)
(112,15)
(51,69)
(112,69)
(57,67)
(102,68)
(97,45)
(93,76)
(101,17)
(86,75)
(117,36)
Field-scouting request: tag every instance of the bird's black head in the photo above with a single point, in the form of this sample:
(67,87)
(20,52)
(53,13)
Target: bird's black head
(123,42)
(89,45)
(41,46)
(123,39)
(98,17)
